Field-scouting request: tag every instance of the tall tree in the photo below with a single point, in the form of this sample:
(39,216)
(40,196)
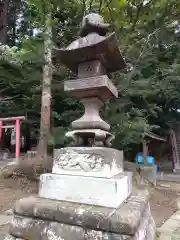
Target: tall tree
(45,8)
(3,20)
(45,122)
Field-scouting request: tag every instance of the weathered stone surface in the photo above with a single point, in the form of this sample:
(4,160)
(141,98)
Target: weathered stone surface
(58,231)
(91,69)
(103,49)
(124,220)
(95,137)
(91,118)
(9,237)
(27,228)
(107,192)
(92,20)
(147,228)
(46,219)
(25,206)
(142,230)
(91,86)
(151,230)
(88,161)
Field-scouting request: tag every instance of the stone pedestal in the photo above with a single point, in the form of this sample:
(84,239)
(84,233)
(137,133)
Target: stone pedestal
(45,219)
(88,190)
(89,175)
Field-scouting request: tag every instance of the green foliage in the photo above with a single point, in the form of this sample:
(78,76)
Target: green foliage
(149,94)
(149,38)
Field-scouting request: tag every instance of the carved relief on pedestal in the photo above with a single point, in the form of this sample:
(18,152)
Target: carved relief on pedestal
(72,160)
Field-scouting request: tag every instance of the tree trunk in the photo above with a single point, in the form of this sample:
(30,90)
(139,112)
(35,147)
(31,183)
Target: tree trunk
(3,20)
(145,151)
(45,122)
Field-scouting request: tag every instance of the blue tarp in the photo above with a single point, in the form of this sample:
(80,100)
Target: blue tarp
(140,159)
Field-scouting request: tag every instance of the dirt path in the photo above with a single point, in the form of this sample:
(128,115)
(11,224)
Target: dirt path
(13,189)
(163,204)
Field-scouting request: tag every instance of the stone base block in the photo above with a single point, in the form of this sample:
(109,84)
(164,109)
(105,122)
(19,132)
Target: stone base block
(88,161)
(149,173)
(88,190)
(45,219)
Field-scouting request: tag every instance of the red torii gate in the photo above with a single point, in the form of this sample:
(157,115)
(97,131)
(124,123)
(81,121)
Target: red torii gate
(17,126)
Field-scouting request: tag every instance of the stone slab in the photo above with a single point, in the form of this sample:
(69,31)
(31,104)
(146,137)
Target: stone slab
(91,87)
(28,229)
(88,161)
(124,220)
(88,190)
(68,232)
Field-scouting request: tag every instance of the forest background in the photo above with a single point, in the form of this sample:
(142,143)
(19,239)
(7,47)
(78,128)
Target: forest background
(148,33)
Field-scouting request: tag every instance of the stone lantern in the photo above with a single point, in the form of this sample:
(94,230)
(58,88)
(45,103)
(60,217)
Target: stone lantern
(92,57)
(89,164)
(88,196)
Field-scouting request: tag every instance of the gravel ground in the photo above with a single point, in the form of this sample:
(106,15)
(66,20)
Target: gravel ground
(13,189)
